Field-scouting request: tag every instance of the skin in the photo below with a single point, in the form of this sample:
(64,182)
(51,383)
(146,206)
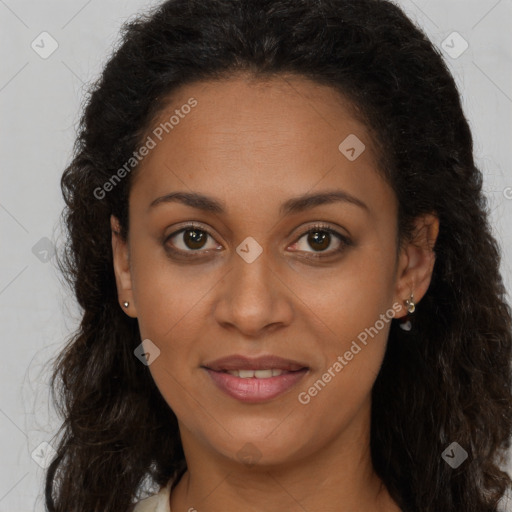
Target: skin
(253,145)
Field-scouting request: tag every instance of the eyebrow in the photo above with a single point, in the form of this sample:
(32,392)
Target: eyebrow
(293,205)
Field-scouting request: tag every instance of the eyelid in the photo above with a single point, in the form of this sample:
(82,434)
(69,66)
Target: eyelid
(344,240)
(186,226)
(318,226)
(321,226)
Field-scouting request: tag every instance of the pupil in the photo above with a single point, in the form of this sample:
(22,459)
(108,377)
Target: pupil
(319,237)
(195,240)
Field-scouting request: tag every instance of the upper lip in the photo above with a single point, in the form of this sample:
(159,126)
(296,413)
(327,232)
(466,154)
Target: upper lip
(269,362)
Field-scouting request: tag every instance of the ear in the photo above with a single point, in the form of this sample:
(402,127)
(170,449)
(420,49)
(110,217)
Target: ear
(416,262)
(121,260)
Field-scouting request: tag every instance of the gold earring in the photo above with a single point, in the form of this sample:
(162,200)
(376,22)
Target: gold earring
(126,304)
(410,304)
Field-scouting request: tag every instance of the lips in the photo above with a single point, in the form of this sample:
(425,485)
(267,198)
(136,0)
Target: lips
(238,362)
(255,379)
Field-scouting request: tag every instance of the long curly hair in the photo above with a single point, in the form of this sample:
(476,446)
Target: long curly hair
(447,380)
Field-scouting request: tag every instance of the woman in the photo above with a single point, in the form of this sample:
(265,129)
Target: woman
(291,294)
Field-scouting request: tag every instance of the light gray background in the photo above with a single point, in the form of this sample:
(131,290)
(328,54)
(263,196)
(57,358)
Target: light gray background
(40,102)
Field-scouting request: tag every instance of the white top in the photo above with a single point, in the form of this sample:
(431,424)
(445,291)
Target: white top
(156,503)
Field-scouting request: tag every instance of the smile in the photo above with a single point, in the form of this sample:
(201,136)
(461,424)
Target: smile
(255,380)
(258,374)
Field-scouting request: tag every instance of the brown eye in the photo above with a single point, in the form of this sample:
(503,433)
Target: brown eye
(194,239)
(190,239)
(319,240)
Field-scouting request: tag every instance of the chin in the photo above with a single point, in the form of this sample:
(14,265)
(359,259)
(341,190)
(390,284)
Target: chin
(255,447)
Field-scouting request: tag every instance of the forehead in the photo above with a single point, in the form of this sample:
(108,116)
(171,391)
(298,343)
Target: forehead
(246,137)
(283,113)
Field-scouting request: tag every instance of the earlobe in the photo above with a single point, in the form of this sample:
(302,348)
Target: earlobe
(417,261)
(121,262)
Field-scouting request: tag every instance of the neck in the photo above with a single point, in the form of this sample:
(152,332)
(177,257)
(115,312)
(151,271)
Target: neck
(338,477)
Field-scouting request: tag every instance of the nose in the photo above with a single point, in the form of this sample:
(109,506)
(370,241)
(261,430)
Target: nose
(252,298)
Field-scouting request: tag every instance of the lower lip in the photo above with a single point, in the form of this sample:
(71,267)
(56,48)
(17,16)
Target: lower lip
(253,389)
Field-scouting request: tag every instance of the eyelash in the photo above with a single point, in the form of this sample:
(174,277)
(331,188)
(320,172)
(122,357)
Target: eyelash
(345,241)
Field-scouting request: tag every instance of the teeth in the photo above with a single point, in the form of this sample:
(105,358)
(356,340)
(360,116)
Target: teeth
(263,374)
(259,374)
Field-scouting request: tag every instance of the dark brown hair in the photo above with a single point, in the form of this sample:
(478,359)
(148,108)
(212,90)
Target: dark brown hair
(449,379)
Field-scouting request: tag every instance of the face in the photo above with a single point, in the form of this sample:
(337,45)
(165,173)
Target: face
(278,257)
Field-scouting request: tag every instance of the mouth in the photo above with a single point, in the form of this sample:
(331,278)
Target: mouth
(258,374)
(255,379)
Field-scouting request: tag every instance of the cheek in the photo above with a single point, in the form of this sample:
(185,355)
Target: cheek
(167,296)
(350,297)
(352,311)
(171,312)
(173,304)
(352,360)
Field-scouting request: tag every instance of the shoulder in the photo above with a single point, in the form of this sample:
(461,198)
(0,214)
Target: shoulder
(157,503)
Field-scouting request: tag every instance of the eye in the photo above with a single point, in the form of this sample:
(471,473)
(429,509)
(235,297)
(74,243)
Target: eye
(191,238)
(192,241)
(321,238)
